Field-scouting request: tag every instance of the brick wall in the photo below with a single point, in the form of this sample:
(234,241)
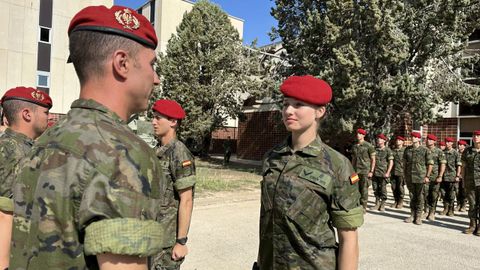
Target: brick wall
(259,132)
(219,136)
(445,127)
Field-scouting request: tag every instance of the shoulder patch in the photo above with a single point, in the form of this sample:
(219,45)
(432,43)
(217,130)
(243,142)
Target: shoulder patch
(354,178)
(186,163)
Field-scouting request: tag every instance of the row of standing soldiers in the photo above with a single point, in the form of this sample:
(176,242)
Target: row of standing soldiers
(430,173)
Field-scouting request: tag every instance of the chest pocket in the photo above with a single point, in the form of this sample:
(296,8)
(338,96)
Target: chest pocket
(310,209)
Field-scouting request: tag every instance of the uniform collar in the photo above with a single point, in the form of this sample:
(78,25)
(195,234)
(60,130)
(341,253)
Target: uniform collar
(312,149)
(13,134)
(163,148)
(91,104)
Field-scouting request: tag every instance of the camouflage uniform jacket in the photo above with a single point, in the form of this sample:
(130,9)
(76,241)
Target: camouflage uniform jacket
(361,157)
(88,186)
(453,161)
(471,161)
(398,161)
(438,157)
(304,195)
(179,168)
(382,159)
(13,147)
(416,161)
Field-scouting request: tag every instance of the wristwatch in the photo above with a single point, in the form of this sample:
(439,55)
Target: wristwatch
(182,241)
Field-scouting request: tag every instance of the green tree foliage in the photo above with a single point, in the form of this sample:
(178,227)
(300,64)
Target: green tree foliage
(383,58)
(208,71)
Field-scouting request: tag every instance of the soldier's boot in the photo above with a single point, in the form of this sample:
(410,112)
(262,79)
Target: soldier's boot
(411,217)
(418,219)
(445,209)
(426,211)
(382,207)
(431,214)
(394,204)
(463,207)
(364,207)
(399,204)
(451,211)
(377,204)
(471,227)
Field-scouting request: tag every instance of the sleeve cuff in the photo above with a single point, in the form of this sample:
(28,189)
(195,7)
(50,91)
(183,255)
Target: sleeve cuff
(459,164)
(6,204)
(348,220)
(443,162)
(184,182)
(126,236)
(430,162)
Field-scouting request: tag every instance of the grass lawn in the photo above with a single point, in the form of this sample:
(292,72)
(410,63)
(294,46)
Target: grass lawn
(212,176)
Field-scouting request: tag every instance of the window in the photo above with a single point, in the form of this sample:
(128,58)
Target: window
(43,79)
(44,34)
(465,109)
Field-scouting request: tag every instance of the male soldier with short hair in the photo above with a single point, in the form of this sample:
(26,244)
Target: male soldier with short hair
(397,179)
(451,176)
(91,194)
(418,167)
(363,160)
(471,176)
(438,169)
(460,186)
(179,167)
(383,167)
(26,109)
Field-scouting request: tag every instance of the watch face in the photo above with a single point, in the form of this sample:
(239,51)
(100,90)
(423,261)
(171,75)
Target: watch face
(182,241)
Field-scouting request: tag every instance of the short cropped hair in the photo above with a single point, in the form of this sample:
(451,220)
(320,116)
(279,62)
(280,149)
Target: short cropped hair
(89,50)
(11,108)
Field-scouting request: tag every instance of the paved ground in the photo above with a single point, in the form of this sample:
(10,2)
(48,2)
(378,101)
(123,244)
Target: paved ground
(224,236)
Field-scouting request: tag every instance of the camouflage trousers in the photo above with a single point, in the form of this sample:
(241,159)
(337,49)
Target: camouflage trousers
(433,194)
(379,185)
(473,196)
(416,196)
(398,187)
(163,261)
(449,197)
(460,193)
(363,185)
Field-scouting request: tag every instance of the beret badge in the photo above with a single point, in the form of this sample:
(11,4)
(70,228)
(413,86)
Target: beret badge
(127,19)
(38,95)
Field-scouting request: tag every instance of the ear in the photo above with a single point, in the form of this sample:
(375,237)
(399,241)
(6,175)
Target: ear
(27,114)
(122,62)
(173,123)
(320,112)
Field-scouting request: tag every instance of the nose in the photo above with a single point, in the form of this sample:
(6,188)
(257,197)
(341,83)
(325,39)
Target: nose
(288,109)
(156,79)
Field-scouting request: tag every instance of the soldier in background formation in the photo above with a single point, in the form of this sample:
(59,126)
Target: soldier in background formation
(418,168)
(179,168)
(471,176)
(26,109)
(450,177)
(383,167)
(91,194)
(433,185)
(397,179)
(460,186)
(363,161)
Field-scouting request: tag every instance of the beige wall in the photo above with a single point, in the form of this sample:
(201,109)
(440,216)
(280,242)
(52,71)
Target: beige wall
(18,47)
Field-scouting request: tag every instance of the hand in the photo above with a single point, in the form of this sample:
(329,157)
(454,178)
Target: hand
(457,179)
(426,180)
(438,180)
(370,175)
(179,252)
(387,175)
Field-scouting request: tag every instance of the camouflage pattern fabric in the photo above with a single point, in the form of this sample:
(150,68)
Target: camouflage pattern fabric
(397,179)
(471,161)
(361,157)
(453,161)
(88,186)
(382,159)
(179,168)
(398,161)
(432,189)
(13,147)
(416,160)
(304,195)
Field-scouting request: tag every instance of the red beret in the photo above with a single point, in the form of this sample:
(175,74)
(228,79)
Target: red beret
(400,138)
(308,89)
(362,131)
(476,132)
(442,143)
(28,94)
(116,20)
(169,108)
(449,139)
(416,134)
(462,142)
(432,137)
(382,136)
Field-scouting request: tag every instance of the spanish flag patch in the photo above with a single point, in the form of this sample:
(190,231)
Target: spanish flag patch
(186,163)
(354,178)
